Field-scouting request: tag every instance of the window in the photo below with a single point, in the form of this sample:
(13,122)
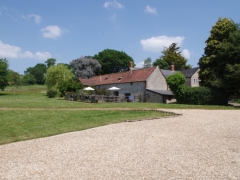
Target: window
(195,81)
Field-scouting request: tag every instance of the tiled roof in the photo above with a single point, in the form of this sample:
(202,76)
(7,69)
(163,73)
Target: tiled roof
(167,73)
(189,72)
(138,75)
(163,92)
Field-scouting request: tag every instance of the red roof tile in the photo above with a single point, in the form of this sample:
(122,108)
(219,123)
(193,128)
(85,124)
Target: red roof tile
(121,77)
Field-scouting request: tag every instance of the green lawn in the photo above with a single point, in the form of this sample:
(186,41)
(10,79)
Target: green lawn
(27,113)
(18,125)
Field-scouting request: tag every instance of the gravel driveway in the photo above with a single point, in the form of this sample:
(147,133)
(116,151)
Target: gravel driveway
(200,144)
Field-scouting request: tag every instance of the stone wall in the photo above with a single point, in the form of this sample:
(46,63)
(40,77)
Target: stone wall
(133,89)
(156,81)
(195,75)
(154,97)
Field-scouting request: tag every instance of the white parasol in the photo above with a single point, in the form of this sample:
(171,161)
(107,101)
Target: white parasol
(88,89)
(113,88)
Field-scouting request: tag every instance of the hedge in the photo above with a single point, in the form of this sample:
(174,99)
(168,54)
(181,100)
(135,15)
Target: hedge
(202,96)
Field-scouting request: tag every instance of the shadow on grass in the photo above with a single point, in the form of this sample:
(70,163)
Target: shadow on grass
(7,94)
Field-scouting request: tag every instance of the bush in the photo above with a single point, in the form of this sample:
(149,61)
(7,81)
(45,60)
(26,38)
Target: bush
(51,93)
(69,86)
(202,96)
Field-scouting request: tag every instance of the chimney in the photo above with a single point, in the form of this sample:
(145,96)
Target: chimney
(172,67)
(131,64)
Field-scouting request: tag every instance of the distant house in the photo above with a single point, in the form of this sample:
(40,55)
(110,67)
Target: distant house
(148,84)
(192,77)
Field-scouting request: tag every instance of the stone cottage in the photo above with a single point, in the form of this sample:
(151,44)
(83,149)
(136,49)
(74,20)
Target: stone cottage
(148,84)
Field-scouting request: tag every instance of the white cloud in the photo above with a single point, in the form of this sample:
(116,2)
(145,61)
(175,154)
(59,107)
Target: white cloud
(156,44)
(150,10)
(9,51)
(51,32)
(37,18)
(186,53)
(113,4)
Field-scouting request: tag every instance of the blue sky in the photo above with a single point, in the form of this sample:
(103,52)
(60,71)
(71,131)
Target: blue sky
(33,31)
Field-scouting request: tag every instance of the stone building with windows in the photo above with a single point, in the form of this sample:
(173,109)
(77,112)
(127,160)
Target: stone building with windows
(145,84)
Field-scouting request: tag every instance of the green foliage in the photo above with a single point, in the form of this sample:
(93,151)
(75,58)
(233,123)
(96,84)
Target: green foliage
(57,74)
(113,61)
(28,79)
(38,72)
(161,63)
(147,63)
(14,78)
(3,73)
(173,56)
(51,93)
(102,92)
(50,62)
(219,51)
(176,83)
(202,96)
(69,86)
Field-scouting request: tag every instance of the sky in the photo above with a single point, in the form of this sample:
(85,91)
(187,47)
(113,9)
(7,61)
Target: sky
(33,31)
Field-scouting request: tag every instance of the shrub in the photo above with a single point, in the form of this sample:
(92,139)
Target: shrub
(202,96)
(51,93)
(69,86)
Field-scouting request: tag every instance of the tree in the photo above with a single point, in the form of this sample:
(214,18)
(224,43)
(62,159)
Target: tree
(176,83)
(3,73)
(14,78)
(161,63)
(57,74)
(173,56)
(50,62)
(219,52)
(69,86)
(85,67)
(147,63)
(38,72)
(228,59)
(113,61)
(28,79)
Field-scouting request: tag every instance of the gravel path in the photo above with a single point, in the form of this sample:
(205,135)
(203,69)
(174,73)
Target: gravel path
(200,144)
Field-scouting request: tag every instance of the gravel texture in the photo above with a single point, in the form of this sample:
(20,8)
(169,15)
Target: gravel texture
(200,144)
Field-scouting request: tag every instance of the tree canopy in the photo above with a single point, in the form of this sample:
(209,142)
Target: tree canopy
(50,62)
(85,67)
(173,56)
(147,63)
(161,63)
(38,72)
(3,73)
(57,74)
(219,66)
(113,61)
(14,78)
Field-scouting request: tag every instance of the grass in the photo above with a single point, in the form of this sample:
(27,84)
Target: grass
(29,114)
(16,125)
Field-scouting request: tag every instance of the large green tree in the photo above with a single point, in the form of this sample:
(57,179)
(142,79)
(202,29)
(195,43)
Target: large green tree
(219,52)
(57,74)
(113,61)
(3,73)
(38,72)
(173,56)
(228,69)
